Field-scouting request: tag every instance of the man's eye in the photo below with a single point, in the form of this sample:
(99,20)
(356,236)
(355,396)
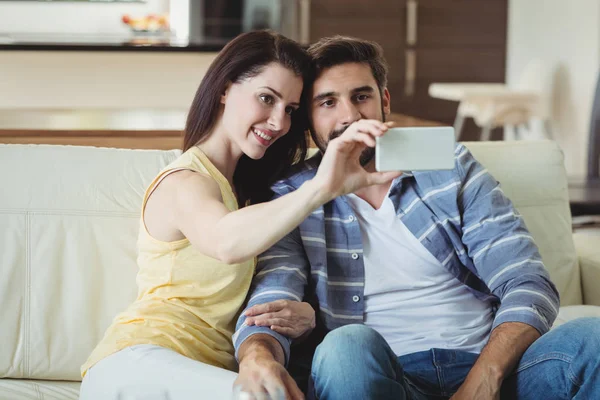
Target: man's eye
(266,98)
(362,97)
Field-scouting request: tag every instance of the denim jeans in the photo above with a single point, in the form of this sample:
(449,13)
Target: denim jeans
(355,362)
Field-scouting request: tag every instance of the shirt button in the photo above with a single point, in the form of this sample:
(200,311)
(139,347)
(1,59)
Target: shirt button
(355,299)
(354,256)
(351,218)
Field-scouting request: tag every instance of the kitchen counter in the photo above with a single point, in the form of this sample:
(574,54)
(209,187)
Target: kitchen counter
(86,42)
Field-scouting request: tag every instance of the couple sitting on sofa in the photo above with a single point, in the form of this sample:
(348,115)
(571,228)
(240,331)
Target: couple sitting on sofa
(427,285)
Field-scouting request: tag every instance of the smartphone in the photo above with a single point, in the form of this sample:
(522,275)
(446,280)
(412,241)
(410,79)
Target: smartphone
(415,149)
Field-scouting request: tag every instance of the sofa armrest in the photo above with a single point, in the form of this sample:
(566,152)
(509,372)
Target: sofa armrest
(588,250)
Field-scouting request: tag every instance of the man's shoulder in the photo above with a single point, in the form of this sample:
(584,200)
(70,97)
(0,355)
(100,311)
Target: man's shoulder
(299,173)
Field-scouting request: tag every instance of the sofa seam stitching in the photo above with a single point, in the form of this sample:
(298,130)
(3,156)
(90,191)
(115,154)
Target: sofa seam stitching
(37,391)
(27,293)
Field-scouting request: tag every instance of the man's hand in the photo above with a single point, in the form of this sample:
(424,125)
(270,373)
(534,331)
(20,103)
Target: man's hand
(340,171)
(262,372)
(289,318)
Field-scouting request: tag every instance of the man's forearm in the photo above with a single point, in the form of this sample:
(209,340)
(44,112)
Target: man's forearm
(505,348)
(261,345)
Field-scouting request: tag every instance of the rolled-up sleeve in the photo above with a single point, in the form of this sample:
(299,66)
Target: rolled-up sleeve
(502,249)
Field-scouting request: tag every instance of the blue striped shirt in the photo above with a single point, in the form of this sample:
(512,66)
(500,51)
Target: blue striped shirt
(461,216)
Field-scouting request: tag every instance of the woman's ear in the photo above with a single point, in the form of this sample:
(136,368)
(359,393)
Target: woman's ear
(225,92)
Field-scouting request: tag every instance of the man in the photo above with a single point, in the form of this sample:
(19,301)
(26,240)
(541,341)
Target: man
(427,287)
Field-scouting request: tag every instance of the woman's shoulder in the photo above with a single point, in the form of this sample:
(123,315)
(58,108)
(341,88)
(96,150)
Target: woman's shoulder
(193,167)
(189,181)
(189,159)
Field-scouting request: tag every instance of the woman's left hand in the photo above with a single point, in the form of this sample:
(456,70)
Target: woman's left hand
(287,317)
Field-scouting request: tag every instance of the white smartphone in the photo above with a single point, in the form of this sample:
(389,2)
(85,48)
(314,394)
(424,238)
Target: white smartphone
(415,149)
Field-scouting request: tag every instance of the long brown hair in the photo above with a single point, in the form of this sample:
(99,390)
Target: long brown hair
(242,58)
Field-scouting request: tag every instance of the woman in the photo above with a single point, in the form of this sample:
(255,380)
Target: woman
(196,248)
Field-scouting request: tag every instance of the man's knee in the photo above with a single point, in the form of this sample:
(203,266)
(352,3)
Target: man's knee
(357,360)
(349,343)
(584,330)
(353,337)
(579,338)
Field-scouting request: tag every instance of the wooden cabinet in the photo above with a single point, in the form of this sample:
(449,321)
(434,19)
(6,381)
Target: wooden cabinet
(456,41)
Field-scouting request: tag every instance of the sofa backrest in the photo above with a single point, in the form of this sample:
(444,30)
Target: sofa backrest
(68,228)
(69,221)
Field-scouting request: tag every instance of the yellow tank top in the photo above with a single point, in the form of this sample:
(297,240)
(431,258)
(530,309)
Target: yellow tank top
(187,302)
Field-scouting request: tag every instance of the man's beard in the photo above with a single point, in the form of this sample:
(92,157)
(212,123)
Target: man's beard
(365,157)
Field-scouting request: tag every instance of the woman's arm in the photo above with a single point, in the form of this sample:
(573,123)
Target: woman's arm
(233,237)
(200,215)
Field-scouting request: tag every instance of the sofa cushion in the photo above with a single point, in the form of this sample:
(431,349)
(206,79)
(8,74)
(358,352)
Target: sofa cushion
(569,313)
(587,243)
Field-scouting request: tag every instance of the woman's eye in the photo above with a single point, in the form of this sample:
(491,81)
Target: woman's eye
(289,110)
(327,103)
(266,98)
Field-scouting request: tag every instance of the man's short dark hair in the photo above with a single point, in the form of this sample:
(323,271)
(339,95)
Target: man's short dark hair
(336,50)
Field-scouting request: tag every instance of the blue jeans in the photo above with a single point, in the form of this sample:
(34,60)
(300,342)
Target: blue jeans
(355,362)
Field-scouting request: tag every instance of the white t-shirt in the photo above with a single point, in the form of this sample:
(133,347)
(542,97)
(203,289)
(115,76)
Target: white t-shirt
(410,298)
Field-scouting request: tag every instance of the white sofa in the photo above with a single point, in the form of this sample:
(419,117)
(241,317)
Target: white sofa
(68,229)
